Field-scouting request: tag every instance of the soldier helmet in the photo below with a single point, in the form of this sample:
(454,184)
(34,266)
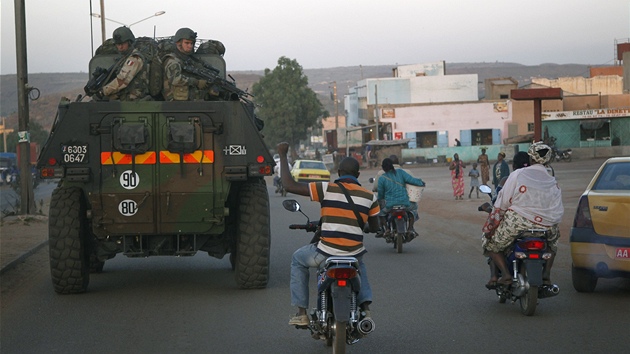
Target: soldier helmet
(122,35)
(185,33)
(540,153)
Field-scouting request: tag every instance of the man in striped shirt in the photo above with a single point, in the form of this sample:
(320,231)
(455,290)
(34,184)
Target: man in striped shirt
(341,233)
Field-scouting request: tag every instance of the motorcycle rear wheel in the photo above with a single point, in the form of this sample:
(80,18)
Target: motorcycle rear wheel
(399,242)
(529,301)
(339,338)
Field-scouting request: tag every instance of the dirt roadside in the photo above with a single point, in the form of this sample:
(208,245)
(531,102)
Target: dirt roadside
(20,237)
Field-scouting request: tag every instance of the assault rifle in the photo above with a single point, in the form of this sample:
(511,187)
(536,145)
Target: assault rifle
(98,79)
(226,90)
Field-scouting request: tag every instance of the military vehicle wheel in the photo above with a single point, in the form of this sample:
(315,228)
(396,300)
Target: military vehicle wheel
(253,236)
(67,225)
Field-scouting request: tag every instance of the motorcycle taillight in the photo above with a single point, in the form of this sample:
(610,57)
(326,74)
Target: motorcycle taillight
(399,214)
(532,245)
(341,273)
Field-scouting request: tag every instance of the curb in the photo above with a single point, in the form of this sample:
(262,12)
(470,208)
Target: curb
(22,257)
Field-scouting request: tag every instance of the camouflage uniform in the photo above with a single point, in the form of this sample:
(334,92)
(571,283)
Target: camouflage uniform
(177,85)
(132,80)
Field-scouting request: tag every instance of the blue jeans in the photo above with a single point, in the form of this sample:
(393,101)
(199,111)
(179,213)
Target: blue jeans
(308,257)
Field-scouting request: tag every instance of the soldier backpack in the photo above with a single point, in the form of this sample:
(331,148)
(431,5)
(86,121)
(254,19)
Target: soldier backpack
(149,49)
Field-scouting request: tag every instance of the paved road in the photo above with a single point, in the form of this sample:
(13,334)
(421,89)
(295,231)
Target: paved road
(428,299)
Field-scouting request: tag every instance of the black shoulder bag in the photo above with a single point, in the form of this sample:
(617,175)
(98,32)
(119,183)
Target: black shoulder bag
(351,202)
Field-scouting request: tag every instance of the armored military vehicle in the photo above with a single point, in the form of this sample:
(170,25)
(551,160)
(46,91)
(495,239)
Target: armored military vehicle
(157,178)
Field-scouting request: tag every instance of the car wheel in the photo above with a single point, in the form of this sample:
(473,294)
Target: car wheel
(584,280)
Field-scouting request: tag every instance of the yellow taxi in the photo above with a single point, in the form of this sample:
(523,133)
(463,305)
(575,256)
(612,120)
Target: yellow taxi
(600,235)
(310,171)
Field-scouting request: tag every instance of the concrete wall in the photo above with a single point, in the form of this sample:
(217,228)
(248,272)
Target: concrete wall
(605,85)
(418,90)
(521,113)
(450,88)
(609,151)
(495,88)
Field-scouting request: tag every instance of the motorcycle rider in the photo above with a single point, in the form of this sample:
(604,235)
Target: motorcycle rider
(413,205)
(391,188)
(530,198)
(521,159)
(341,234)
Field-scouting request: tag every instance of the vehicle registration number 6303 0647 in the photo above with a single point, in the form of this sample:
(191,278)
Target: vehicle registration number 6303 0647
(77,153)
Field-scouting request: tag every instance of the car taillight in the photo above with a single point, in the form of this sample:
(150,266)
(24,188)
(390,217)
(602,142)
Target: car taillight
(532,245)
(341,273)
(583,215)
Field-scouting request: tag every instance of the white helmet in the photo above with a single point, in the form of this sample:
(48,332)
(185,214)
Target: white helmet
(540,153)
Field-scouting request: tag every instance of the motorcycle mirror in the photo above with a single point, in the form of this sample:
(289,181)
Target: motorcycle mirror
(485,189)
(291,205)
(371,179)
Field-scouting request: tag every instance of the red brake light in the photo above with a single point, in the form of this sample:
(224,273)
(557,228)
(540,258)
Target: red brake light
(52,161)
(532,245)
(399,214)
(260,159)
(342,282)
(341,273)
(534,255)
(583,214)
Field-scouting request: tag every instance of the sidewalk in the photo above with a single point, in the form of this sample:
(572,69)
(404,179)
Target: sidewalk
(20,237)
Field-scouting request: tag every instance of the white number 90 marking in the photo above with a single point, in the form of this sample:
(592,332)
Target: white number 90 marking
(129,179)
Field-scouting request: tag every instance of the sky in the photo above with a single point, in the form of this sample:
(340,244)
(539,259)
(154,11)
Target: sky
(332,33)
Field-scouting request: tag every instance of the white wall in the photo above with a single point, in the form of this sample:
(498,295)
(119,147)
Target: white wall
(449,117)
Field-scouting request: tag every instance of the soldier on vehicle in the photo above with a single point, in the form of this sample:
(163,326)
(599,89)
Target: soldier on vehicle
(131,79)
(178,85)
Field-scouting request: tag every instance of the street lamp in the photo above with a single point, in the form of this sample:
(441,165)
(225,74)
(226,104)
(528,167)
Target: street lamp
(159,13)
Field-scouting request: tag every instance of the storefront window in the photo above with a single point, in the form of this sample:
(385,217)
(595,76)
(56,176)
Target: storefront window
(596,129)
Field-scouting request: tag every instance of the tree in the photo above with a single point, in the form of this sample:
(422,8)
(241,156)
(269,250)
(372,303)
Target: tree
(286,103)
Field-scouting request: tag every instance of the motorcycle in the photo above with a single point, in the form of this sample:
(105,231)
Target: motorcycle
(526,260)
(561,155)
(337,319)
(397,222)
(396,227)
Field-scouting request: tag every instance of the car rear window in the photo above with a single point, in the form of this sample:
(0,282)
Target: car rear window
(614,176)
(312,165)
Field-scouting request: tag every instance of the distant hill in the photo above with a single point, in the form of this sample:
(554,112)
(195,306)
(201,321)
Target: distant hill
(53,86)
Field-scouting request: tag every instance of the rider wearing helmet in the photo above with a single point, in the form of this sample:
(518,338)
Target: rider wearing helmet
(131,81)
(178,84)
(530,198)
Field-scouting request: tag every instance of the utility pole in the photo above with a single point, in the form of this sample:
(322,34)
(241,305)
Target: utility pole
(103,20)
(336,105)
(376,110)
(24,143)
